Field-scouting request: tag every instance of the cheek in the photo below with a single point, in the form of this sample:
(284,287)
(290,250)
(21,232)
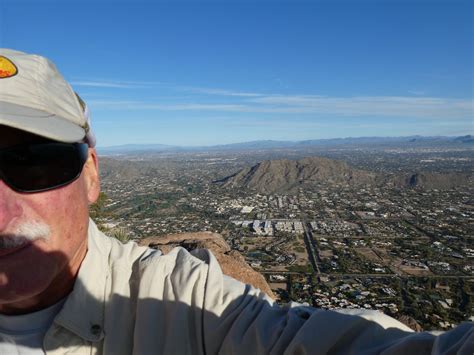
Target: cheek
(65,211)
(62,203)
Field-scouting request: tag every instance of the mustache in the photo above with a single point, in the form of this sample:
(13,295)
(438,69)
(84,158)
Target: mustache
(24,233)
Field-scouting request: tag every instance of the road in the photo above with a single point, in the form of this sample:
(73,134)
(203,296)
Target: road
(313,253)
(342,275)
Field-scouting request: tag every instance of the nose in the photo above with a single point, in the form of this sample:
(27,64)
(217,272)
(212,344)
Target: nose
(9,206)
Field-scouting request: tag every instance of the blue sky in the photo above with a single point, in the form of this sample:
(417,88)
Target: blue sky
(214,72)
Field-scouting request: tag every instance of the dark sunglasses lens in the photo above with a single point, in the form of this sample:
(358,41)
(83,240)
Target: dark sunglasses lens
(42,166)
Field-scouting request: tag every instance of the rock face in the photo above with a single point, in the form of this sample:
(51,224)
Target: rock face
(272,176)
(410,323)
(281,176)
(430,181)
(232,262)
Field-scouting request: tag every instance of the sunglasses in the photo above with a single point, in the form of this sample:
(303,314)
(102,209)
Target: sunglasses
(42,167)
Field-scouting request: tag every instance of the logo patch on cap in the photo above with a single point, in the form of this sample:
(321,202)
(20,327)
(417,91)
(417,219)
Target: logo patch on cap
(7,68)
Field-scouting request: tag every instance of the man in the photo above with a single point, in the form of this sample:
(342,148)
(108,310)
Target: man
(67,288)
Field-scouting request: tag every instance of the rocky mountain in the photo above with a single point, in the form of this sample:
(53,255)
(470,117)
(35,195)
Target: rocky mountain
(280,176)
(272,176)
(428,180)
(125,170)
(468,139)
(231,261)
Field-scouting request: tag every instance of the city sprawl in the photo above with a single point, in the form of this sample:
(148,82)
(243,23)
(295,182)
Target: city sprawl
(406,251)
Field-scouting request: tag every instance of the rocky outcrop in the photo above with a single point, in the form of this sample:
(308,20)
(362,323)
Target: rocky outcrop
(410,323)
(232,262)
(272,176)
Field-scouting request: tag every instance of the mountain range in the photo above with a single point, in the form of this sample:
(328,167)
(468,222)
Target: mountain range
(414,141)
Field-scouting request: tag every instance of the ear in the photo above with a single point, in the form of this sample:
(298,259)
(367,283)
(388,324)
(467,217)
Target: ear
(91,176)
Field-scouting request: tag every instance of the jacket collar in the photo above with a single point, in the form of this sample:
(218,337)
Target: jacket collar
(83,312)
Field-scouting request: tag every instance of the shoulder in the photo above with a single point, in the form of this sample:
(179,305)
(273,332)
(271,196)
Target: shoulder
(177,259)
(190,277)
(177,274)
(114,251)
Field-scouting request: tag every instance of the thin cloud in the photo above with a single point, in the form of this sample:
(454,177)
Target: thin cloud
(112,104)
(140,105)
(219,92)
(102,84)
(115,84)
(275,124)
(399,106)
(358,106)
(417,92)
(151,84)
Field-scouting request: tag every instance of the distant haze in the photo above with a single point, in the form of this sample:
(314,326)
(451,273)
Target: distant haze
(466,141)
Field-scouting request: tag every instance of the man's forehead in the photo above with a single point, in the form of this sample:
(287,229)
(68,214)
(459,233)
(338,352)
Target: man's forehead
(11,136)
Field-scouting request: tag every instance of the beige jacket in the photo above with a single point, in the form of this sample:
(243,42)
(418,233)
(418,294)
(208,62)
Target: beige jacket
(132,300)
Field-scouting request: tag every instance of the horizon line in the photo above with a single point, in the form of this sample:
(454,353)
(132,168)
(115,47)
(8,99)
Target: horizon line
(282,141)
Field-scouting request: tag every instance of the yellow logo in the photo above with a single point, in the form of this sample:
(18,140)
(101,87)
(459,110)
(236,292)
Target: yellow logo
(7,68)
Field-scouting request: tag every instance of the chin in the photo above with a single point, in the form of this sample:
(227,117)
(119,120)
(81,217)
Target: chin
(25,276)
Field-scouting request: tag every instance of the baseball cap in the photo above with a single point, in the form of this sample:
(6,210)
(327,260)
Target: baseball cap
(34,97)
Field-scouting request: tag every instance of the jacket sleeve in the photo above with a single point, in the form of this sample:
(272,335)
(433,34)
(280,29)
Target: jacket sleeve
(239,319)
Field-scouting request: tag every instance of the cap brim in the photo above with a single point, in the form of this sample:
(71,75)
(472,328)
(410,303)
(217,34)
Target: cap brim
(40,123)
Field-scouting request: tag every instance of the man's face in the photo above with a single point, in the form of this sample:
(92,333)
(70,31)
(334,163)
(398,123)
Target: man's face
(41,272)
